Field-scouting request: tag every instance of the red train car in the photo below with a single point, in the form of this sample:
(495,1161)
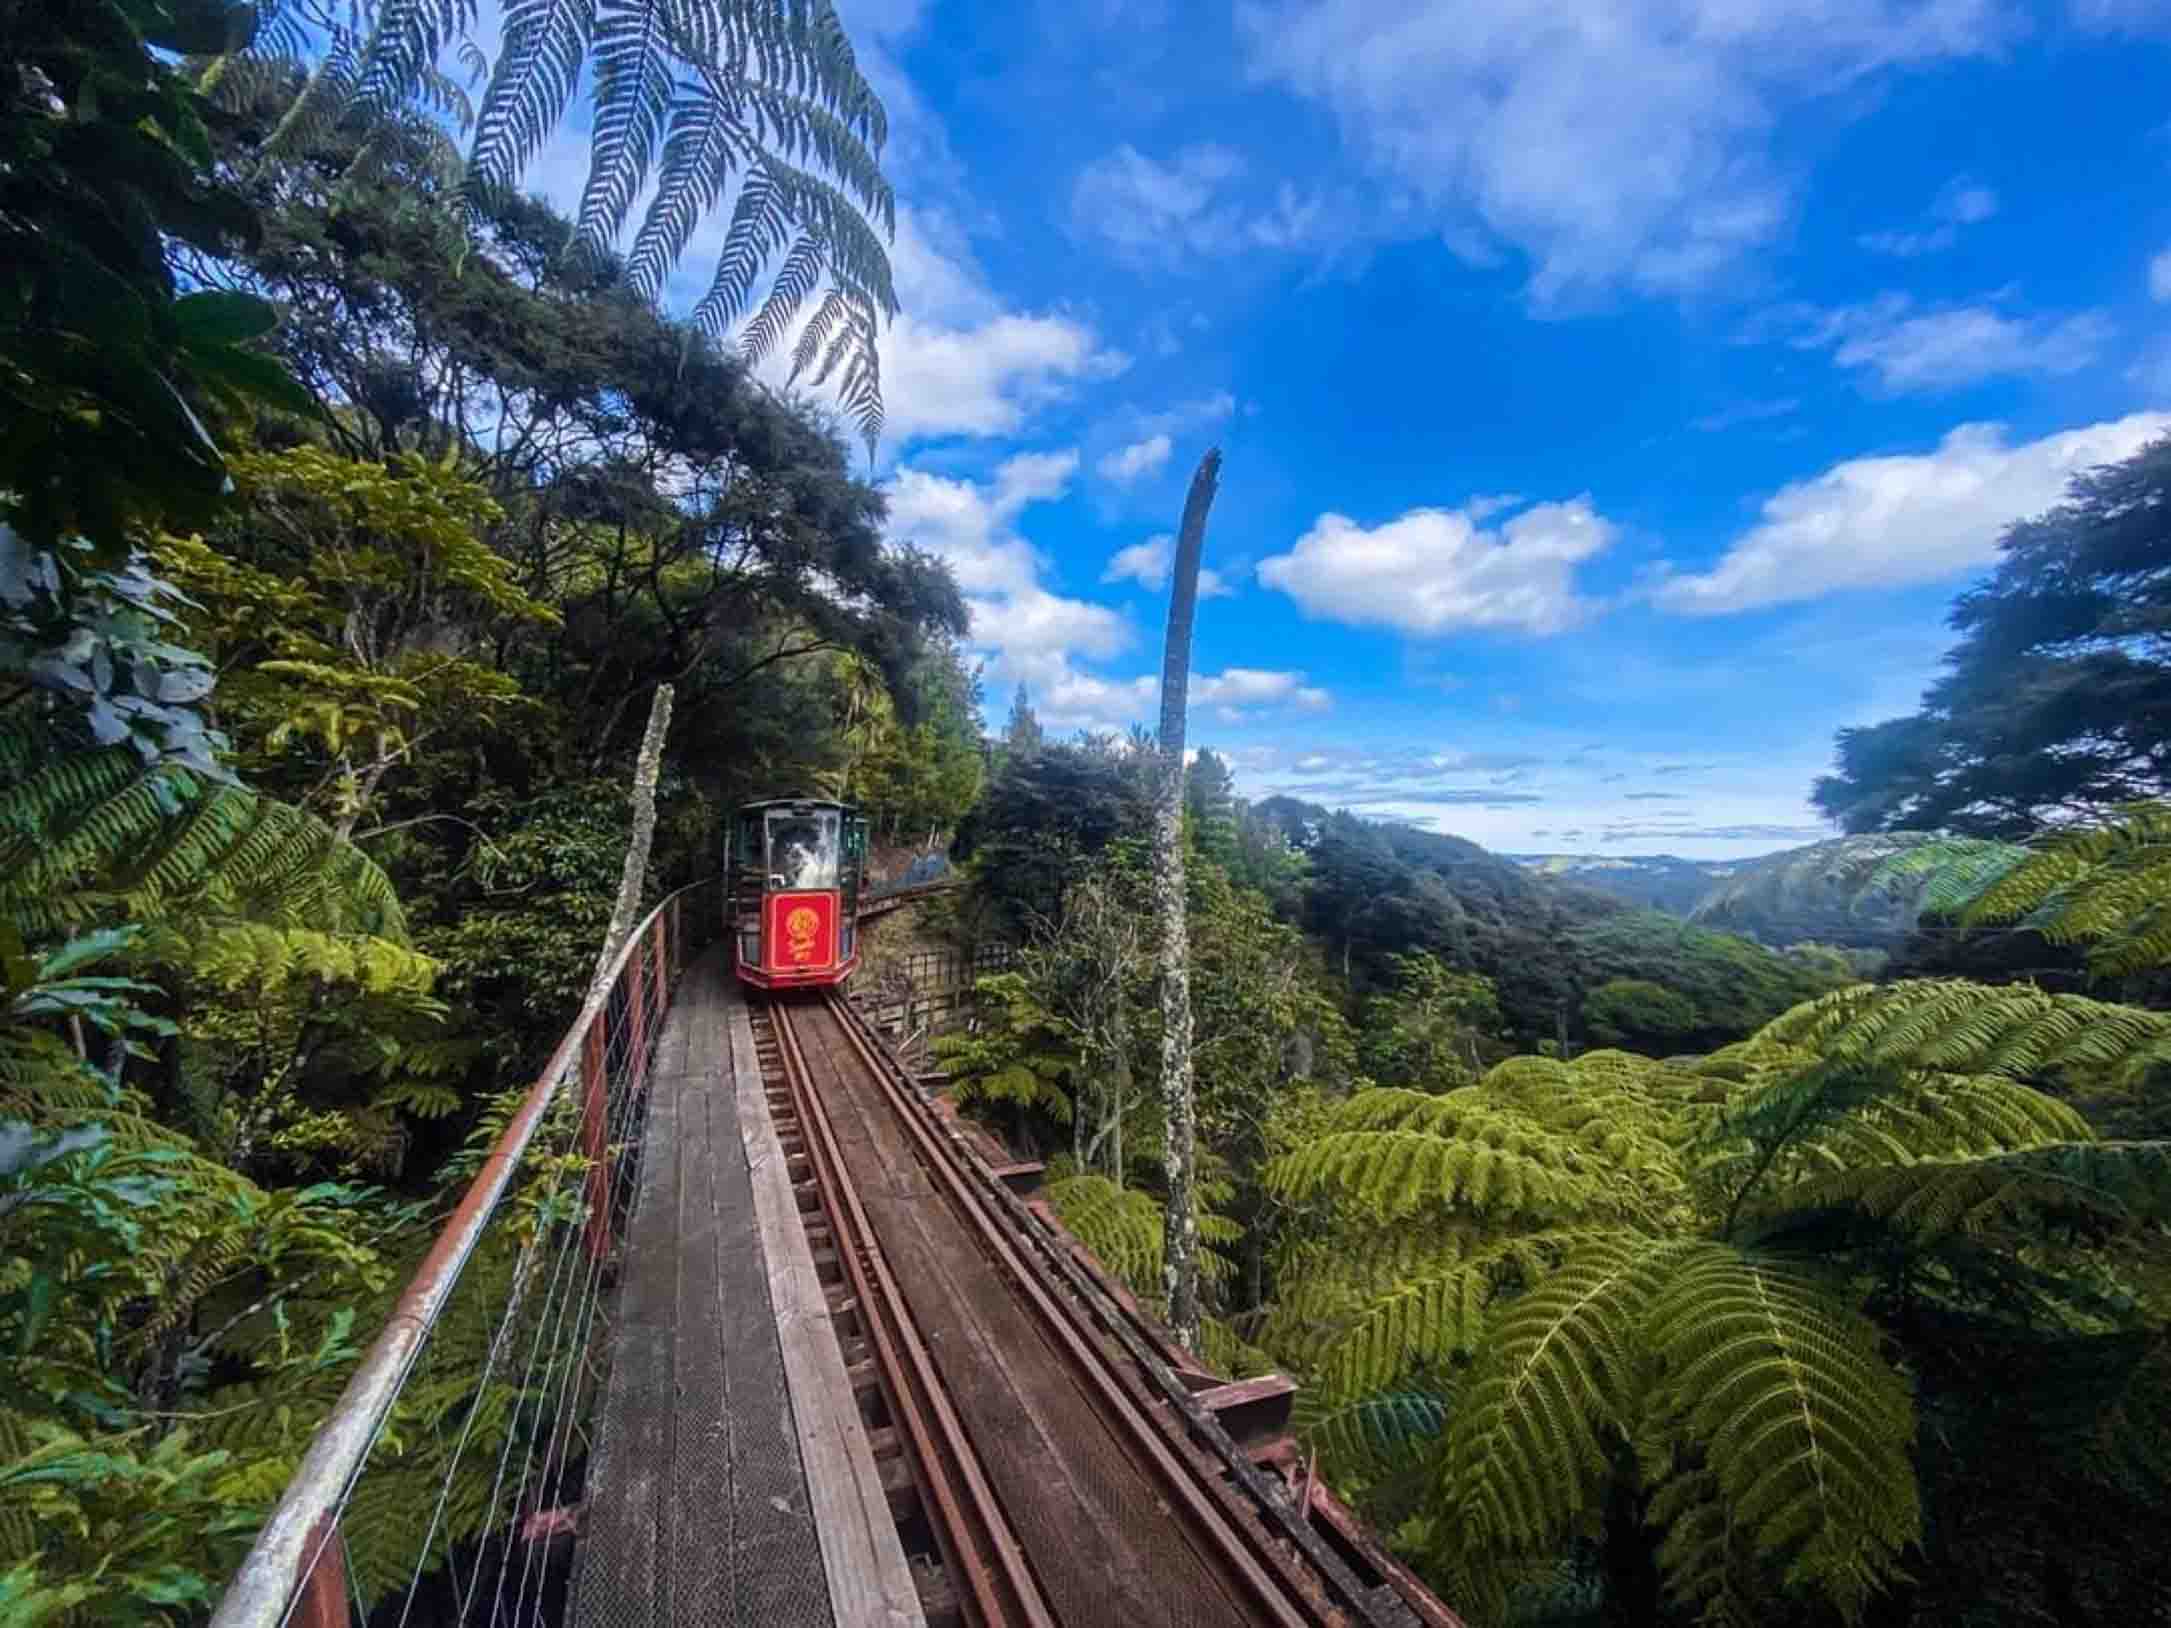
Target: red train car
(792,891)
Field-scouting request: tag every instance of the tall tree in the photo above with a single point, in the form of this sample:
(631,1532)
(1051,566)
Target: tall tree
(1180,1243)
(2056,705)
(684,99)
(1210,799)
(1022,735)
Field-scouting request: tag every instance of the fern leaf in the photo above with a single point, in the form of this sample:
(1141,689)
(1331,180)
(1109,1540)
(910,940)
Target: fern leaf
(1553,1394)
(632,99)
(538,66)
(1808,1432)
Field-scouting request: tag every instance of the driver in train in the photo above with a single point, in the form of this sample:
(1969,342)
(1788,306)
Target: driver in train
(803,857)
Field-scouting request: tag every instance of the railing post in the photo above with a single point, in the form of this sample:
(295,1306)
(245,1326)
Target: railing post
(596,1130)
(323,1599)
(637,1018)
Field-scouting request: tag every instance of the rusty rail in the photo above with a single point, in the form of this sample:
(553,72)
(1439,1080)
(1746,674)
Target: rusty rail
(295,1570)
(1264,1548)
(985,1560)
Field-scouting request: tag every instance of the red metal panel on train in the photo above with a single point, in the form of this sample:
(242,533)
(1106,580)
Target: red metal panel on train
(801,932)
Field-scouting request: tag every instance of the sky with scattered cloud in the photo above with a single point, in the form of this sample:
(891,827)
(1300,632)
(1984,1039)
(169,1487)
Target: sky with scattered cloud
(1613,396)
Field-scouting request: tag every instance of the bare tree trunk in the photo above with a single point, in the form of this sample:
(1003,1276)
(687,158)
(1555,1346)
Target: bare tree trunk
(646,769)
(1180,1234)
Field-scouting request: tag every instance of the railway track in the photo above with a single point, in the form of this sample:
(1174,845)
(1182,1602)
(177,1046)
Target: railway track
(1044,1464)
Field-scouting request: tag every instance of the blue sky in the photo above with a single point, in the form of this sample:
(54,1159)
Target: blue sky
(1612,396)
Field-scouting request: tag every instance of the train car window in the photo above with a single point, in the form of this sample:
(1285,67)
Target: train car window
(803,850)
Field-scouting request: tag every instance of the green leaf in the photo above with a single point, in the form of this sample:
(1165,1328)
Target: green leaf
(218,317)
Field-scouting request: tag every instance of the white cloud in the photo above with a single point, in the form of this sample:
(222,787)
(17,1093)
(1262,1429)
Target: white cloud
(1148,564)
(1235,692)
(957,361)
(1895,521)
(1623,143)
(1907,350)
(1747,412)
(1147,209)
(1031,634)
(1430,571)
(1127,464)
(2159,277)
(1961,202)
(2122,16)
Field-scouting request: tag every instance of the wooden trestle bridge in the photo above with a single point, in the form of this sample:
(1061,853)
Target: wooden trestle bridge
(796,1347)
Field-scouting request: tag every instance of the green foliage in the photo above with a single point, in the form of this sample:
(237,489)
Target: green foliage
(1637,1014)
(2107,886)
(1015,1064)
(92,833)
(1433,1027)
(2054,700)
(107,374)
(1684,1292)
(683,101)
(1123,1228)
(1732,984)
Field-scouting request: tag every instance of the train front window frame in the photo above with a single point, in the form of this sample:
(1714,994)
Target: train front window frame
(802,848)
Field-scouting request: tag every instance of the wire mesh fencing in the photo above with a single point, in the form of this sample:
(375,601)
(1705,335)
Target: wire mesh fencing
(445,1486)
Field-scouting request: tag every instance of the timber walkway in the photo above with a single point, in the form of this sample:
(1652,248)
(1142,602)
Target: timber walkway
(775,1340)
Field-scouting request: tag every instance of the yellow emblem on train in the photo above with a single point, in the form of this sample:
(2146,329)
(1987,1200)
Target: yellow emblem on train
(800,926)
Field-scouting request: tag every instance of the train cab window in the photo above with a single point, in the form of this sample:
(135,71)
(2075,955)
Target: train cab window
(803,850)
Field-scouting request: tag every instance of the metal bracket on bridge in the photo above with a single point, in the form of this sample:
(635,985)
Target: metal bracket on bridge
(1255,1412)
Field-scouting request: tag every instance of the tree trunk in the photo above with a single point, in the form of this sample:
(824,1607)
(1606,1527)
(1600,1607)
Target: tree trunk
(1180,1234)
(631,880)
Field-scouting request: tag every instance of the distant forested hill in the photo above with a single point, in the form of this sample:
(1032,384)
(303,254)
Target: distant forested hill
(1820,893)
(1657,881)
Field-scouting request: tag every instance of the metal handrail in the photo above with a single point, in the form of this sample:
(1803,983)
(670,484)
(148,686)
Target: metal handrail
(283,1556)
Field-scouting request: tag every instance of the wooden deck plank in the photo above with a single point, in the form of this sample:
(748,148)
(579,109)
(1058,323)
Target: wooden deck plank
(620,1583)
(870,1583)
(704,1507)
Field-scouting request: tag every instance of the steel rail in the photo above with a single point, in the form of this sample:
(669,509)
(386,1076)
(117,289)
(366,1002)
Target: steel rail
(1221,1536)
(1238,1514)
(985,1558)
(300,1528)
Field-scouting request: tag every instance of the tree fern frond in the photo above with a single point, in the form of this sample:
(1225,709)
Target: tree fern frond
(702,142)
(633,92)
(91,834)
(1419,1321)
(539,65)
(1807,1430)
(761,225)
(1374,1436)
(1122,1227)
(1496,1167)
(1553,1394)
(1958,870)
(795,283)
(2116,1183)
(405,40)
(1961,1027)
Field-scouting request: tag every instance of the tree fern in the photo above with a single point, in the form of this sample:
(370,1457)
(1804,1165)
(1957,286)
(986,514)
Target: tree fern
(93,834)
(1122,1227)
(1553,1395)
(686,98)
(2107,886)
(1961,1027)
(1779,1387)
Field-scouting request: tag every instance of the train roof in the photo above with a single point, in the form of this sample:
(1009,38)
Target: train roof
(798,802)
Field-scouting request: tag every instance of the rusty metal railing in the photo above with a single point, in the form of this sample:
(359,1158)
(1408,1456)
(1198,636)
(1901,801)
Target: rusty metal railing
(556,1158)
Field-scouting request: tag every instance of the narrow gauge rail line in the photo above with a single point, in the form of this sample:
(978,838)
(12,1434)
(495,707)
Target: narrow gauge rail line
(985,1563)
(1140,1502)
